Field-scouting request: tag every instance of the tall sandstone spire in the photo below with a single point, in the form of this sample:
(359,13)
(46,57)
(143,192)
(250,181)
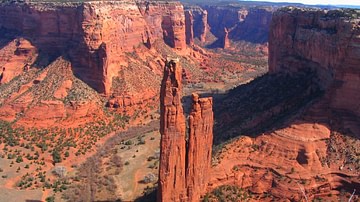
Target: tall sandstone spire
(183,167)
(172,129)
(199,149)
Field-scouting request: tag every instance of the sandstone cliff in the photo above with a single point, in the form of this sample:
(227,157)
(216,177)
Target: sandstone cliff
(183,166)
(243,23)
(302,141)
(327,41)
(189,25)
(94,34)
(200,24)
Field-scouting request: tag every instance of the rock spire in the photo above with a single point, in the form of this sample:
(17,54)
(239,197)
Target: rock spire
(183,165)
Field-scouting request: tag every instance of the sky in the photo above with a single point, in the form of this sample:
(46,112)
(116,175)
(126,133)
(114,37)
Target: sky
(324,2)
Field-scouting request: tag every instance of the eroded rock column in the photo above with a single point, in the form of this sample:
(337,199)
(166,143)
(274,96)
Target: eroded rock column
(189,27)
(172,129)
(184,168)
(199,149)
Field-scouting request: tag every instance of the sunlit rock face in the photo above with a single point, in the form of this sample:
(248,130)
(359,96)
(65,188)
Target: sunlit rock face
(184,166)
(95,34)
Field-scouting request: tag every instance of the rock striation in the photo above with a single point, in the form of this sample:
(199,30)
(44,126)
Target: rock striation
(94,34)
(172,129)
(314,63)
(244,23)
(326,41)
(183,165)
(189,22)
(200,25)
(199,146)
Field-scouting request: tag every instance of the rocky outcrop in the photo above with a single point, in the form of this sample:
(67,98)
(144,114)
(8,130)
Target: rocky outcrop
(183,167)
(297,152)
(189,22)
(94,34)
(201,27)
(172,128)
(199,146)
(326,41)
(226,41)
(243,23)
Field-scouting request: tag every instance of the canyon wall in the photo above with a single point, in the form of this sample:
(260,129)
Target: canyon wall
(94,34)
(189,25)
(243,23)
(327,41)
(184,166)
(200,24)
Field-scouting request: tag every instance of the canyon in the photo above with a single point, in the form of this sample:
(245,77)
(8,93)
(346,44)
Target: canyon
(80,89)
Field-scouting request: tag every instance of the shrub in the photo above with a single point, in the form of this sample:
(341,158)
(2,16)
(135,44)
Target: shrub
(56,156)
(129,142)
(19,159)
(50,199)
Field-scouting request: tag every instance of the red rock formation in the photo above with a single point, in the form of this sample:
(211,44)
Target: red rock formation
(200,25)
(226,41)
(324,41)
(189,25)
(246,23)
(172,128)
(306,43)
(16,57)
(199,146)
(183,169)
(95,33)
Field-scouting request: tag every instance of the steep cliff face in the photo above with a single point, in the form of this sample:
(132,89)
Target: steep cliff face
(307,133)
(243,23)
(172,129)
(183,167)
(200,25)
(327,41)
(199,146)
(95,34)
(189,25)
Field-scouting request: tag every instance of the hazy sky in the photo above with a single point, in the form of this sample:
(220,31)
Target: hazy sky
(326,2)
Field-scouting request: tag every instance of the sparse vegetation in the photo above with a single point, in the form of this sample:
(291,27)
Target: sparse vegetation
(227,193)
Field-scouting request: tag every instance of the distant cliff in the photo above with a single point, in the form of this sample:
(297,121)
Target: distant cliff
(244,23)
(327,41)
(94,34)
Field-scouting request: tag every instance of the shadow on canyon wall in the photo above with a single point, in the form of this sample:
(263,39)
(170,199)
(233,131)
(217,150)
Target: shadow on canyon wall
(46,54)
(269,103)
(272,102)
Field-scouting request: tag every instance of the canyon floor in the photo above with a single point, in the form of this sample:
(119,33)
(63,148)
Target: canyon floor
(275,136)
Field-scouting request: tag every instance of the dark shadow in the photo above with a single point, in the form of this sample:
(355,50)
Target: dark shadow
(347,186)
(6,36)
(252,26)
(262,105)
(147,197)
(301,158)
(47,53)
(36,82)
(219,43)
(29,200)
